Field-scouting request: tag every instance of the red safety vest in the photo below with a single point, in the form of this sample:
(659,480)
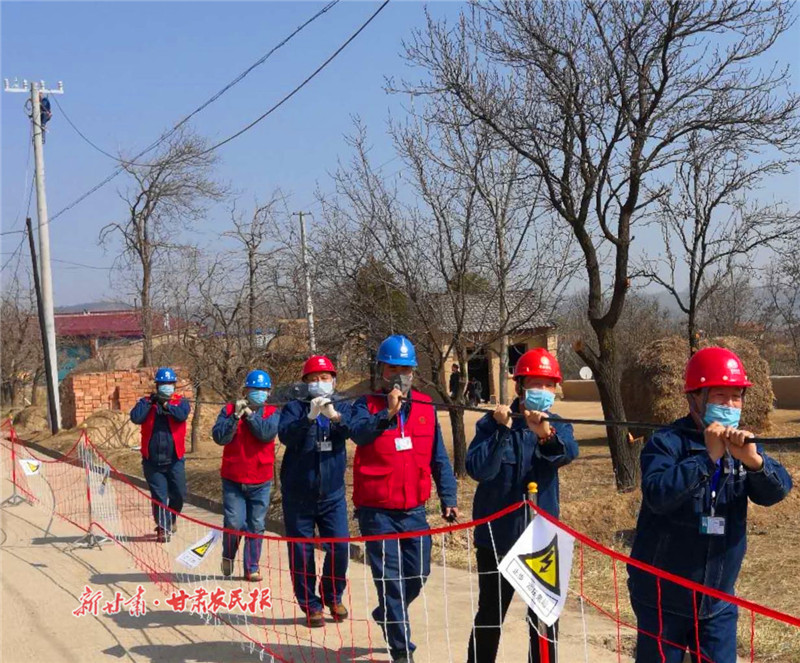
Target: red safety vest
(246,459)
(386,478)
(177,428)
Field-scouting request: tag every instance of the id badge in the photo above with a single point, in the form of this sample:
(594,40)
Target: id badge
(325,445)
(712,525)
(402,443)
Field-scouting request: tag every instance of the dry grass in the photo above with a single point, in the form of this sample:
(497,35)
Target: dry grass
(590,504)
(652,383)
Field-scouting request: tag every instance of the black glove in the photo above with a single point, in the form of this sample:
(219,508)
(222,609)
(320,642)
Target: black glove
(154,398)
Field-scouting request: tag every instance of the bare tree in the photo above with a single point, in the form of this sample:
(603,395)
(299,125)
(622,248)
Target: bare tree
(253,237)
(416,267)
(599,96)
(783,285)
(165,197)
(711,223)
(731,308)
(643,319)
(22,361)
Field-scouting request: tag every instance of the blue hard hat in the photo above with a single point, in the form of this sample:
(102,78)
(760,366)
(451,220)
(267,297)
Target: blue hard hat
(258,380)
(165,374)
(397,350)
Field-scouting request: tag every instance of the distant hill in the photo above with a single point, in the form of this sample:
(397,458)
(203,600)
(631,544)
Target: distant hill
(94,307)
(667,301)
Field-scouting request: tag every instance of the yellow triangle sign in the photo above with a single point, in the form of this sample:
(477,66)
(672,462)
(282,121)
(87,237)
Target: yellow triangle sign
(201,550)
(543,564)
(33,466)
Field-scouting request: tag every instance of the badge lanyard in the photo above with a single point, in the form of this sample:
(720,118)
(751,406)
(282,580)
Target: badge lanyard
(402,443)
(324,426)
(715,485)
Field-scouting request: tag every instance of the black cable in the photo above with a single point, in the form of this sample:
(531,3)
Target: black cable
(515,415)
(16,253)
(202,106)
(299,87)
(80,264)
(166,135)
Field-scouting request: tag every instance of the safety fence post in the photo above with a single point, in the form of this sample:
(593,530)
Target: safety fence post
(15,497)
(90,539)
(541,627)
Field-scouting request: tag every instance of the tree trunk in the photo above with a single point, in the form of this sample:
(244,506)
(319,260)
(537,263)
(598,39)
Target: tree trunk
(691,326)
(196,419)
(502,387)
(459,442)
(251,300)
(147,319)
(503,377)
(624,454)
(37,376)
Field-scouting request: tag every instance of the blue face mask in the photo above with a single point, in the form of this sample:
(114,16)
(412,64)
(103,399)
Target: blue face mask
(257,396)
(727,416)
(320,388)
(540,400)
(166,390)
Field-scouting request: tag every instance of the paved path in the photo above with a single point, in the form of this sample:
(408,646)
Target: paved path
(42,579)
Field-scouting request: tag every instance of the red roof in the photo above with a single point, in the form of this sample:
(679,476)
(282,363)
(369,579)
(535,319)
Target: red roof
(106,324)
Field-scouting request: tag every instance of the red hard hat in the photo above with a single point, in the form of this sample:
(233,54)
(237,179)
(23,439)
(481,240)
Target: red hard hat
(318,364)
(538,363)
(714,367)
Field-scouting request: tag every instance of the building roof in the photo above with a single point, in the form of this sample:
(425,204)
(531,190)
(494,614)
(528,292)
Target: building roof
(481,314)
(109,324)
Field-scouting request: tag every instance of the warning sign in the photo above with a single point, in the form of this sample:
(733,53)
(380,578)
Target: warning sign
(544,565)
(538,567)
(30,466)
(194,554)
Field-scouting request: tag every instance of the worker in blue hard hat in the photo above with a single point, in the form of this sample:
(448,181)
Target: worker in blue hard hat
(400,452)
(247,429)
(162,416)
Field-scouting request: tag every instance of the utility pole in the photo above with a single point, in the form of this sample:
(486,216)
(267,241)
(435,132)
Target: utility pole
(51,367)
(312,341)
(51,397)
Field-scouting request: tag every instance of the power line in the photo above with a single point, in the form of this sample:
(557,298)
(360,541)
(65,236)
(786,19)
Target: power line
(299,87)
(85,138)
(16,253)
(166,135)
(80,264)
(202,106)
(25,181)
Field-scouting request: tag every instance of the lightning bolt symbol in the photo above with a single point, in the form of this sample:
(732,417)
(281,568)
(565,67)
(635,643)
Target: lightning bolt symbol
(547,560)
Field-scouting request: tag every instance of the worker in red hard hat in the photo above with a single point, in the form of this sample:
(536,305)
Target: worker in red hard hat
(693,519)
(505,455)
(314,430)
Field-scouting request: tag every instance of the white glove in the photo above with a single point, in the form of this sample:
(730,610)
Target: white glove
(240,407)
(330,412)
(316,407)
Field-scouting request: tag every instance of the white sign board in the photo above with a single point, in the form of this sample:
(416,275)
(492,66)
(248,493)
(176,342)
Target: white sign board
(585,373)
(197,552)
(538,568)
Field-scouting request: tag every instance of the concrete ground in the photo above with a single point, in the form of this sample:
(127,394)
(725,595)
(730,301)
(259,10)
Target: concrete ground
(43,578)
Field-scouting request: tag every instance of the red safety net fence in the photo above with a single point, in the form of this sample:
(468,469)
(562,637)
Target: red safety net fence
(264,615)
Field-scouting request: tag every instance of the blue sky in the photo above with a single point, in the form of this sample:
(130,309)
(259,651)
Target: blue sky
(131,69)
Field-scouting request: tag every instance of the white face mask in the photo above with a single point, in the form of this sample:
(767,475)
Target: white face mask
(402,381)
(320,388)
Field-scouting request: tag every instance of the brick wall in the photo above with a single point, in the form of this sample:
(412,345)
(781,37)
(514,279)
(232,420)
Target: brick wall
(82,394)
